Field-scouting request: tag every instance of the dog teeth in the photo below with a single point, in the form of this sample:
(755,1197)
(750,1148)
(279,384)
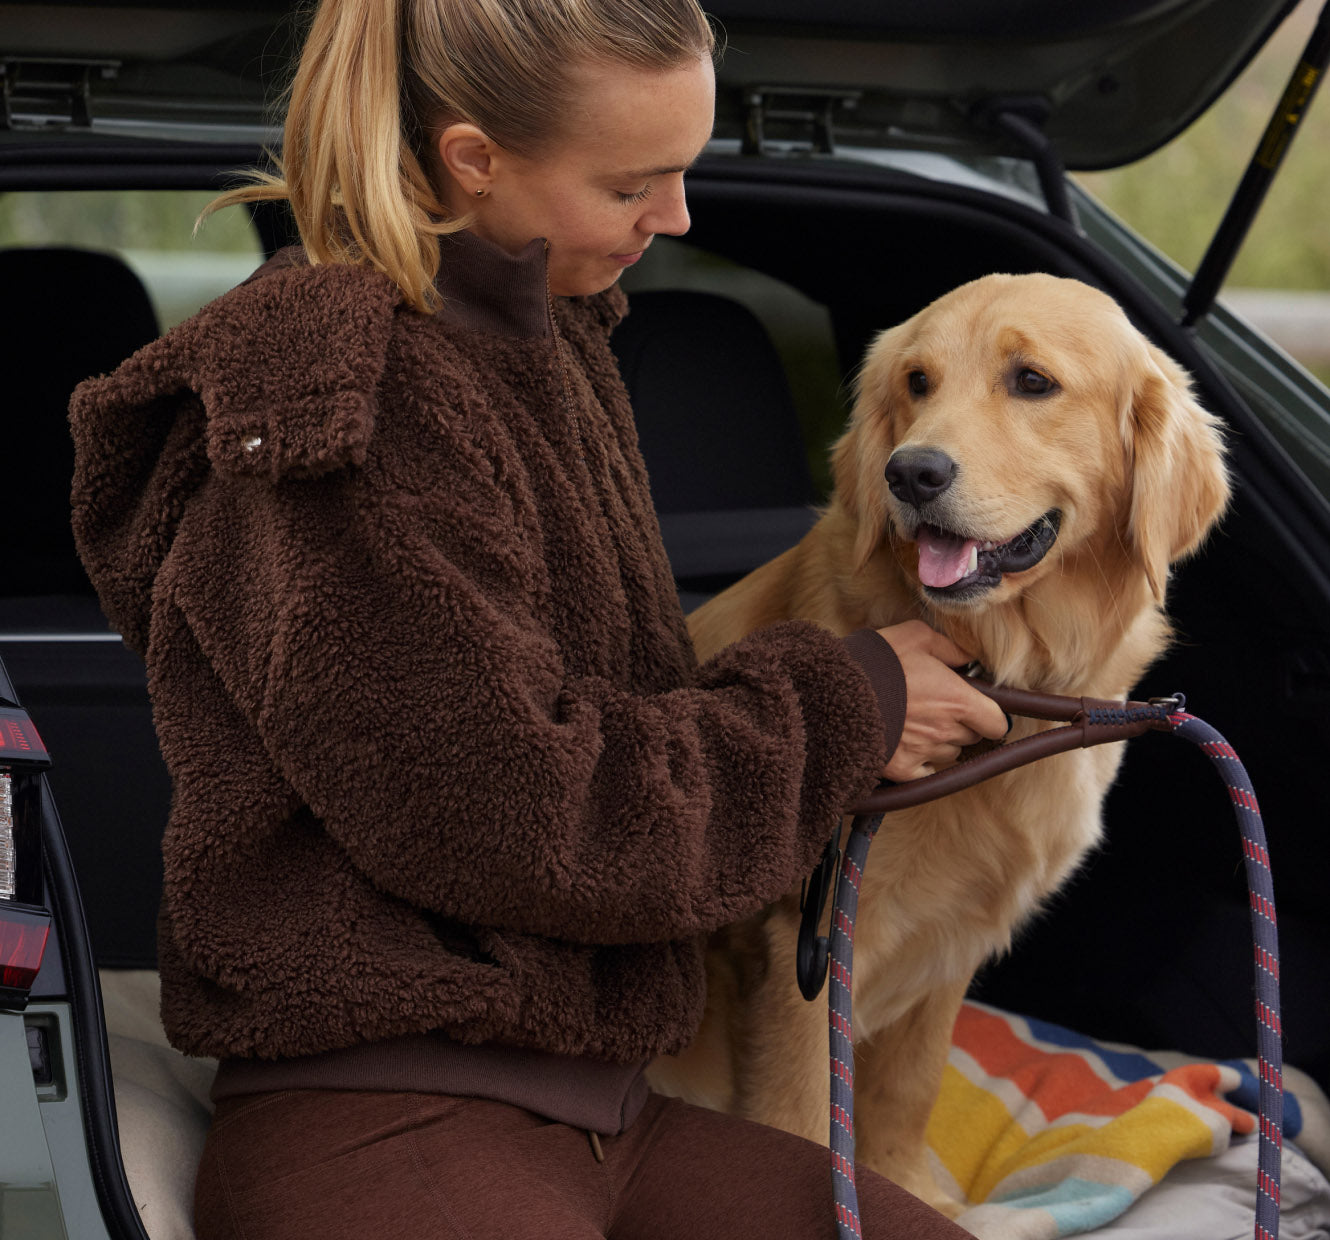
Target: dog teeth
(988,546)
(973,566)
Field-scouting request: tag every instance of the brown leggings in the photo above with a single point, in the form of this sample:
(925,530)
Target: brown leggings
(325,1164)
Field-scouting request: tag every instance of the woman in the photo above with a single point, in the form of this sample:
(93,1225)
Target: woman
(454,806)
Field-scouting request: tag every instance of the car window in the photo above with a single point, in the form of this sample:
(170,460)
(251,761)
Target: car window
(152,230)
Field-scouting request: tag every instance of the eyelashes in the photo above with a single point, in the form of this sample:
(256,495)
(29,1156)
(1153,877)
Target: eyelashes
(641,196)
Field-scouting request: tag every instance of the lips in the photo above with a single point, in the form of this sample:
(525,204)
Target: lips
(954,564)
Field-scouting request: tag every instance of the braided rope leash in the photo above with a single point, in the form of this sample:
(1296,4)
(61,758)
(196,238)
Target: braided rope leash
(840,1017)
(1265,941)
(1104,722)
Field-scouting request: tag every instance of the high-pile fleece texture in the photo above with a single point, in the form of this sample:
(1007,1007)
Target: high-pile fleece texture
(442,756)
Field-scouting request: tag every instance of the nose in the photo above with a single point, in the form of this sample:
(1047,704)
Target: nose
(918,475)
(668,213)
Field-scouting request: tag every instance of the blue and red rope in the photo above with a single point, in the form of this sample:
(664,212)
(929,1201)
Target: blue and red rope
(1265,940)
(840,1009)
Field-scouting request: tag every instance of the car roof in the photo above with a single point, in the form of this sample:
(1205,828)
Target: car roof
(1104,84)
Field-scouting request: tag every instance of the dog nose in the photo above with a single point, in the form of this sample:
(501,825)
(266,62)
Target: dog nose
(917,475)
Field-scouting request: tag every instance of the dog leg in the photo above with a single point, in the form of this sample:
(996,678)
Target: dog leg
(897,1077)
(780,1059)
(703,1072)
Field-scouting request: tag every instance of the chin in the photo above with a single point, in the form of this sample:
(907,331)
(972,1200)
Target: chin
(586,280)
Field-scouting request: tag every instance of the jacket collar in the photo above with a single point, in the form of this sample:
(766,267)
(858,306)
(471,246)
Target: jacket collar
(486,289)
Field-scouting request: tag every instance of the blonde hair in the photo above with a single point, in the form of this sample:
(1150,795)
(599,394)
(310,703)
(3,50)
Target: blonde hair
(377,79)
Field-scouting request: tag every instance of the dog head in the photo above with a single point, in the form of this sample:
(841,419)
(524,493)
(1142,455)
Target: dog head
(1015,426)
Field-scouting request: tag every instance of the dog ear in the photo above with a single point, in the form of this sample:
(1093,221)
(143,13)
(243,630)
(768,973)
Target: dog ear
(859,457)
(1175,455)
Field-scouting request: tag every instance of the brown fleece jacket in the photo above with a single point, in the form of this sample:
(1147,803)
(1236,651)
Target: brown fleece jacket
(442,756)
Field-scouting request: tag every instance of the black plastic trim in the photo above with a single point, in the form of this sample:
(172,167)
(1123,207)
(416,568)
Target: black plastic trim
(92,1059)
(92,1056)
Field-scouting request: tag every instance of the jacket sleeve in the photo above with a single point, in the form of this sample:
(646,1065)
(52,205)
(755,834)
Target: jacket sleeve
(388,650)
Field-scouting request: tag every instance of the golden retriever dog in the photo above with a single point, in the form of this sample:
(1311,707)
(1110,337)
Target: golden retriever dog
(1020,470)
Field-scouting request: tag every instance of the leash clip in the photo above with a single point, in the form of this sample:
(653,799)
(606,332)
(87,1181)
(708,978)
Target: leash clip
(1175,703)
(813,952)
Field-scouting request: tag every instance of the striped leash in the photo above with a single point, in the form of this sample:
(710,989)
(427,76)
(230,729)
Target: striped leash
(1088,721)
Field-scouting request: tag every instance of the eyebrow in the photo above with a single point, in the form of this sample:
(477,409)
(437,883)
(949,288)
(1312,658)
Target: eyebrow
(644,174)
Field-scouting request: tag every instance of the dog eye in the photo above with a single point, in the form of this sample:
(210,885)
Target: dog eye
(1032,383)
(918,383)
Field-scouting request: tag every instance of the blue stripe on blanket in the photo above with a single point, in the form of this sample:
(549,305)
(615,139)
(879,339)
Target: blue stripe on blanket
(1074,1205)
(1125,1065)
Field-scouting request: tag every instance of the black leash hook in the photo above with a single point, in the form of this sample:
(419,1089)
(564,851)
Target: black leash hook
(813,952)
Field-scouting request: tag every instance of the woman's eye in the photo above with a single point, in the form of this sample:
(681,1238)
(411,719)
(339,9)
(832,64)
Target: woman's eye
(918,383)
(641,195)
(1032,383)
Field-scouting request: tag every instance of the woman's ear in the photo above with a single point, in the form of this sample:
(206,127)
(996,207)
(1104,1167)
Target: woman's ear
(467,154)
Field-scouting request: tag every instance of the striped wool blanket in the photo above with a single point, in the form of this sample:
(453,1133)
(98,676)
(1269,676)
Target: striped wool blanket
(1046,1133)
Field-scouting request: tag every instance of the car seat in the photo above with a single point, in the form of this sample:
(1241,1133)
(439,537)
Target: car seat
(719,433)
(67,314)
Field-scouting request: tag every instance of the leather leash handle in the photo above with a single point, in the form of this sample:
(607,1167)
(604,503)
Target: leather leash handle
(1089,721)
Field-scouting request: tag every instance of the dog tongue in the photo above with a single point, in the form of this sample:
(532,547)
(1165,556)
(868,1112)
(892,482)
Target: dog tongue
(943,560)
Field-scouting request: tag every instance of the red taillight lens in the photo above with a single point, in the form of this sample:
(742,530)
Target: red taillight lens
(23,932)
(24,927)
(20,745)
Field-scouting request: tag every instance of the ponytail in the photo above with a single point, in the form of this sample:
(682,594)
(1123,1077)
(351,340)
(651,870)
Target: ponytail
(356,189)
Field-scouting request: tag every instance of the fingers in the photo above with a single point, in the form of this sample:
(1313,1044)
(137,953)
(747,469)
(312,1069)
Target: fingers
(944,712)
(942,648)
(986,718)
(904,767)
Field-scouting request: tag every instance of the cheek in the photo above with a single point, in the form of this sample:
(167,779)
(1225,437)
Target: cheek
(1079,467)
(1088,445)
(586,221)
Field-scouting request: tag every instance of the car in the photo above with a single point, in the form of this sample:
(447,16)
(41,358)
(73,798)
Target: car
(866,159)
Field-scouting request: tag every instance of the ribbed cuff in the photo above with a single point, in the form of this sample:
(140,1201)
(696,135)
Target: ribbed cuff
(874,654)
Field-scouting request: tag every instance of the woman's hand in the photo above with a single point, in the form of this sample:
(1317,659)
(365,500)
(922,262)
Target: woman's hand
(943,711)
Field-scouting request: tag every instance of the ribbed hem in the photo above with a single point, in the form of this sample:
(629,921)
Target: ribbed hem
(586,1093)
(874,654)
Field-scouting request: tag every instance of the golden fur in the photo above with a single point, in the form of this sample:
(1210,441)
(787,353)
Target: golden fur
(1134,466)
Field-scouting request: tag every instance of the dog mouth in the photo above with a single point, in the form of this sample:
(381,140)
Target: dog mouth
(952,565)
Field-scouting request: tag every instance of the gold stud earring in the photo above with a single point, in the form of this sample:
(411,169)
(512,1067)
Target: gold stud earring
(480,193)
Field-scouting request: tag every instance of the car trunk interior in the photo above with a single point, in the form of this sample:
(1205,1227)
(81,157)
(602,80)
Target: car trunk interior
(1150,943)
(740,357)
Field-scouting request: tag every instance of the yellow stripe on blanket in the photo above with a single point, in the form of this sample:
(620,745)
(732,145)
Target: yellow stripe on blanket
(970,1131)
(1033,1117)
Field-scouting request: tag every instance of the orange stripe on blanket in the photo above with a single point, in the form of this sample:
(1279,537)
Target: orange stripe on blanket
(1062,1082)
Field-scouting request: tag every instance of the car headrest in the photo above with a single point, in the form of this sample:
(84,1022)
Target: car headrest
(67,314)
(715,418)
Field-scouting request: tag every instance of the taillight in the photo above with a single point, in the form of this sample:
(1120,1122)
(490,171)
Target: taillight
(24,924)
(23,932)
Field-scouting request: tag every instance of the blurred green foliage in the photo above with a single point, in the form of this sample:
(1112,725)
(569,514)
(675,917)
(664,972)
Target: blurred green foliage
(115,220)
(1177,196)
